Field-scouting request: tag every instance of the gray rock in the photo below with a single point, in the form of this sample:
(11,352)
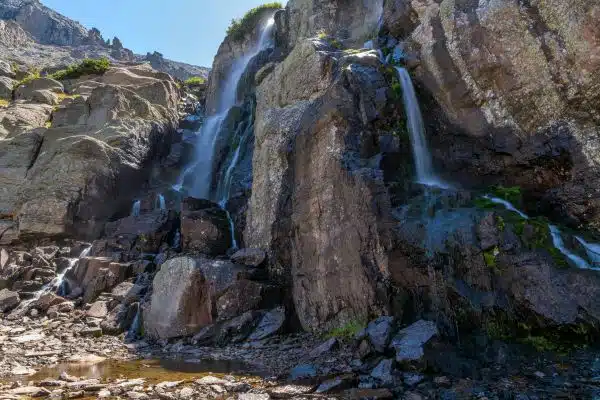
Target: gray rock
(271,324)
(246,295)
(98,309)
(249,257)
(127,292)
(409,342)
(412,379)
(6,87)
(205,227)
(379,332)
(8,300)
(253,396)
(93,332)
(183,295)
(336,384)
(383,373)
(325,347)
(6,69)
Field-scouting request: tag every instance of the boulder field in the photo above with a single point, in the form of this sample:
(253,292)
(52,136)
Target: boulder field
(317,258)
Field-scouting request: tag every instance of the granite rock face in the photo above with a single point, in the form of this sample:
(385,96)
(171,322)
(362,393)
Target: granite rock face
(98,144)
(316,203)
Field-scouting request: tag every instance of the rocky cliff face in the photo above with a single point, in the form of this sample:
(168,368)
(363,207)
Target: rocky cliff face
(54,41)
(331,148)
(45,25)
(68,169)
(518,81)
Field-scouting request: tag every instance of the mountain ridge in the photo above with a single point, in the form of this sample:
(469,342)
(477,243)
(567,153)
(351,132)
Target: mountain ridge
(55,41)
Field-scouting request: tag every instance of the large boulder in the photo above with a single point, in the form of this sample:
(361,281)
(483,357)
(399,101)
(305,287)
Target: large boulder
(183,295)
(317,207)
(205,227)
(147,231)
(96,152)
(19,118)
(95,275)
(41,90)
(245,295)
(6,87)
(8,300)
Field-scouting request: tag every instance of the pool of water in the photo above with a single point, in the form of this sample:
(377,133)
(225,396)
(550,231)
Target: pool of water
(153,371)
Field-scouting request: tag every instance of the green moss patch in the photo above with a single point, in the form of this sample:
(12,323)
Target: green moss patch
(348,331)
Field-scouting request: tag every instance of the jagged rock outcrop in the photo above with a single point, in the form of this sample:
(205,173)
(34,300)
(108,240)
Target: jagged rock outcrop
(44,24)
(78,173)
(53,41)
(354,22)
(317,196)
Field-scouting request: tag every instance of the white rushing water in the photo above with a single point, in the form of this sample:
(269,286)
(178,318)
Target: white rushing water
(559,243)
(556,234)
(506,205)
(592,250)
(135,209)
(207,137)
(416,129)
(57,282)
(161,203)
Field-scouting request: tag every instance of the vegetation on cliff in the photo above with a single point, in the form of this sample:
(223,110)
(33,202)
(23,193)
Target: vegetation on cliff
(194,81)
(240,27)
(89,66)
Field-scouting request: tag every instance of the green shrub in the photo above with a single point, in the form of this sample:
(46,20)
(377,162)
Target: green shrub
(240,27)
(32,74)
(195,81)
(89,66)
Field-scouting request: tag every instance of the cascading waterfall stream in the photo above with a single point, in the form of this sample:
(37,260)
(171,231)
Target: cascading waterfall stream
(203,169)
(161,203)
(135,209)
(426,175)
(556,234)
(57,282)
(207,138)
(416,129)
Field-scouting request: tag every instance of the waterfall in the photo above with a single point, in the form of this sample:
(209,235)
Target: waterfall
(134,329)
(207,138)
(556,235)
(506,205)
(592,250)
(135,210)
(160,202)
(416,129)
(177,240)
(560,245)
(57,282)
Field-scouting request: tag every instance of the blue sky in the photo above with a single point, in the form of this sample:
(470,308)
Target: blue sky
(183,30)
